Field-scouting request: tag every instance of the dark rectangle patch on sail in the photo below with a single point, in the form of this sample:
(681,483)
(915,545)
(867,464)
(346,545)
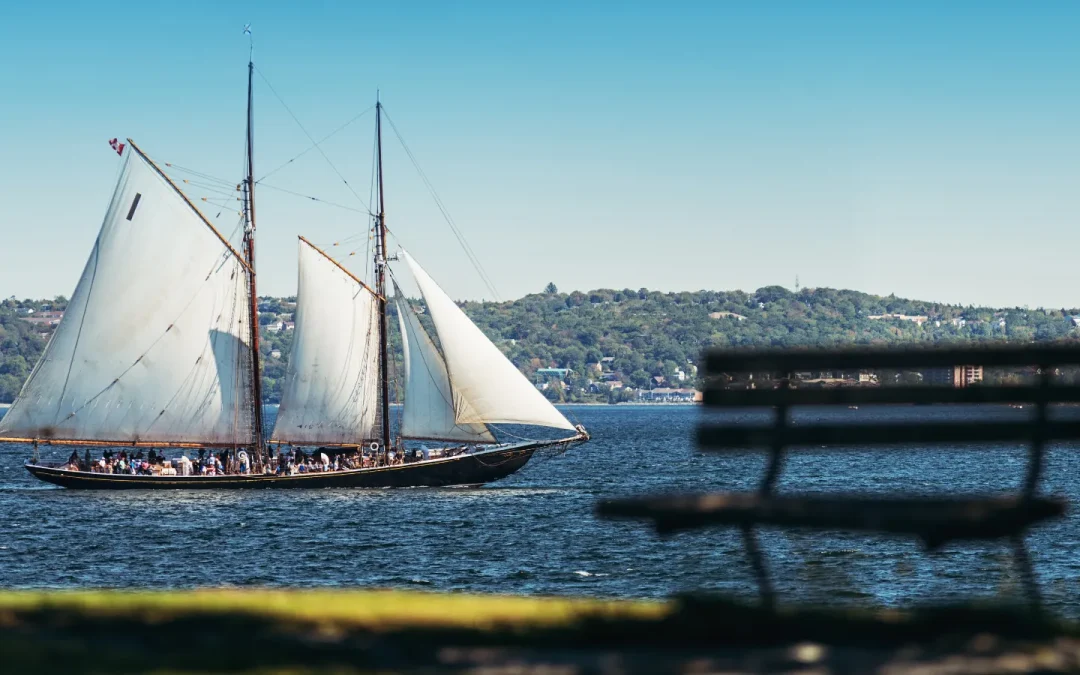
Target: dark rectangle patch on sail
(134,204)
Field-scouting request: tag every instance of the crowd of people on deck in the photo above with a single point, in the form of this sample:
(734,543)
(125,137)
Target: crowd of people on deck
(289,462)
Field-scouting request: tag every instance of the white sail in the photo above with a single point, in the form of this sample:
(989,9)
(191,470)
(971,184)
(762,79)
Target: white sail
(331,384)
(154,345)
(429,404)
(487,388)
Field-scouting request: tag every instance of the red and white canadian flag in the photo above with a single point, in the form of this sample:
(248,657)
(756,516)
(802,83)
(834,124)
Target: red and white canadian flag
(118,147)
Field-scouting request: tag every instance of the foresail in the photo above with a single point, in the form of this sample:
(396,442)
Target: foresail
(331,384)
(154,345)
(429,405)
(487,388)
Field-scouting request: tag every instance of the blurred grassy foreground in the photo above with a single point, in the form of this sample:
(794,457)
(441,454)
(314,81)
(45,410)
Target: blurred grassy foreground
(354,631)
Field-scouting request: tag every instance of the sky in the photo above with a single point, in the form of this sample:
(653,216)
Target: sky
(926,149)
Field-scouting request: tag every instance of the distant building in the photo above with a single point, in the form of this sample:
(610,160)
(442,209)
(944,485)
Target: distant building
(964,376)
(680,375)
(726,315)
(44,318)
(666,395)
(919,319)
(559,373)
(275,353)
(1074,320)
(957,376)
(600,387)
(275,326)
(289,325)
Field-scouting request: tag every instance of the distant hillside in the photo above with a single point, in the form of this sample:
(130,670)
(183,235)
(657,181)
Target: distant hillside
(627,338)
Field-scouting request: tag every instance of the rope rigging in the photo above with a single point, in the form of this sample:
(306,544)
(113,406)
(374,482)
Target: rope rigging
(313,141)
(215,186)
(458,234)
(205,176)
(208,187)
(310,198)
(320,142)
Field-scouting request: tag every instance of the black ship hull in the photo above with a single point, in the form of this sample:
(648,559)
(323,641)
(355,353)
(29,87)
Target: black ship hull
(470,469)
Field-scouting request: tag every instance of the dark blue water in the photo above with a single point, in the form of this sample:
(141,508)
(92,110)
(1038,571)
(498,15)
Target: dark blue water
(535,532)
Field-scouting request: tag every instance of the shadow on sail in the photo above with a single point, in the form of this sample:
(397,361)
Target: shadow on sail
(231,357)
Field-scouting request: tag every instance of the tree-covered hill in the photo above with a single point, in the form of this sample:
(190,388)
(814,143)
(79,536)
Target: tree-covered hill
(631,337)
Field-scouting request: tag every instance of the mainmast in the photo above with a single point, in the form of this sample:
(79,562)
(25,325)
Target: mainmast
(380,285)
(249,254)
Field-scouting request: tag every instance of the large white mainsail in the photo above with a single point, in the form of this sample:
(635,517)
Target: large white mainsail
(487,388)
(331,384)
(154,345)
(429,410)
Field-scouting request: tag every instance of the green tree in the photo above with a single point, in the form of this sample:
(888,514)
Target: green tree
(551,288)
(640,379)
(9,388)
(15,366)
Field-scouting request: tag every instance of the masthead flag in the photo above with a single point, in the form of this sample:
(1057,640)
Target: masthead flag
(117,146)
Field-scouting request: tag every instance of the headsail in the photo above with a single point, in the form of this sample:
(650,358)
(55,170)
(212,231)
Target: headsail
(154,344)
(487,388)
(330,393)
(429,404)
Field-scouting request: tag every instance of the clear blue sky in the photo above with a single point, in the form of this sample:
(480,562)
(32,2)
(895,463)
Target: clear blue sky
(924,148)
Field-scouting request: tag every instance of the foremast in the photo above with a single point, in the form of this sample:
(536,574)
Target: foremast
(249,256)
(380,286)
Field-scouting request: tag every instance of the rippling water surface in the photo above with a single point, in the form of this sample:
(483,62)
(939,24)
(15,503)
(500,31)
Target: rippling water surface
(535,532)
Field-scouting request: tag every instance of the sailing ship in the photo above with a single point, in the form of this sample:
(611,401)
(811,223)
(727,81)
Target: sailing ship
(158,350)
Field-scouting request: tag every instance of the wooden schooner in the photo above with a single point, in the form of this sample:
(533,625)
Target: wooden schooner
(158,349)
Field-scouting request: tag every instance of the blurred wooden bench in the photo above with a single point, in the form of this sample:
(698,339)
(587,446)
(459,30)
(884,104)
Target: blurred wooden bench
(933,520)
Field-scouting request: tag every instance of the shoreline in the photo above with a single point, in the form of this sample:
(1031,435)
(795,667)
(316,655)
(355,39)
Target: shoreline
(622,403)
(629,403)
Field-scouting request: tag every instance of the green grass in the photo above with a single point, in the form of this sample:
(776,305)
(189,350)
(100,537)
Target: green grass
(362,631)
(363,609)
